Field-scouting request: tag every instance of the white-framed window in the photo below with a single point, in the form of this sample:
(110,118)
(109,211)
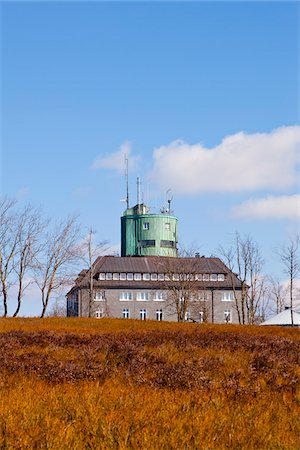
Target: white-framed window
(159,314)
(154,276)
(116,276)
(187,316)
(158,296)
(142,296)
(175,277)
(143,314)
(146,276)
(125,296)
(122,276)
(101,276)
(130,276)
(108,276)
(167,277)
(213,277)
(98,296)
(201,316)
(125,313)
(146,226)
(137,276)
(198,277)
(205,277)
(227,316)
(221,277)
(167,226)
(99,313)
(227,296)
(203,296)
(161,277)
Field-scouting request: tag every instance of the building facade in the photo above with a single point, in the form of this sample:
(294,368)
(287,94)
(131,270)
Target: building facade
(154,288)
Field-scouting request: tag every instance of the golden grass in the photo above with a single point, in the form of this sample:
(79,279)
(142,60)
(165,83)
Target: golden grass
(114,384)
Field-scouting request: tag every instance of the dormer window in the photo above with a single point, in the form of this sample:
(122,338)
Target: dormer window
(101,276)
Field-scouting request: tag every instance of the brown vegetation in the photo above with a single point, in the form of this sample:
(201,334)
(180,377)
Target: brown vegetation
(83,383)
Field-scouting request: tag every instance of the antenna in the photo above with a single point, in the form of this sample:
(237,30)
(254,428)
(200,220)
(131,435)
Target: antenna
(169,197)
(138,184)
(126,180)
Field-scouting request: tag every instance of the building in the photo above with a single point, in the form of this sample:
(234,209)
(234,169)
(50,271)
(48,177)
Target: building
(154,287)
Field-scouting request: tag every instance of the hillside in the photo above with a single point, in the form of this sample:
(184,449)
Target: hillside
(107,384)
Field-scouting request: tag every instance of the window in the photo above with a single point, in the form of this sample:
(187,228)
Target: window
(159,314)
(143,314)
(213,277)
(116,276)
(125,296)
(147,243)
(154,276)
(137,276)
(99,314)
(108,276)
(98,296)
(168,244)
(167,226)
(205,277)
(227,296)
(221,277)
(227,316)
(198,277)
(167,277)
(142,296)
(130,276)
(101,276)
(146,276)
(122,276)
(201,316)
(187,316)
(175,277)
(125,313)
(202,296)
(161,277)
(146,226)
(158,296)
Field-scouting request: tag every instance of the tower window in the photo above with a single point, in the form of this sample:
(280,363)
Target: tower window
(167,226)
(146,226)
(148,243)
(168,244)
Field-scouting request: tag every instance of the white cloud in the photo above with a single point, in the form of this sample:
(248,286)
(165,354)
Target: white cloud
(115,161)
(240,162)
(281,207)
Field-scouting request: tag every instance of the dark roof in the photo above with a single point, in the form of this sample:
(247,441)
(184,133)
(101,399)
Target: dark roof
(156,264)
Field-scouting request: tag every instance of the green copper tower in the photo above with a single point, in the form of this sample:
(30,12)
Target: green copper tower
(146,234)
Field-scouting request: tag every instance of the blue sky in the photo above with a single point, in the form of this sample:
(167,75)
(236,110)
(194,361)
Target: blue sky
(204,96)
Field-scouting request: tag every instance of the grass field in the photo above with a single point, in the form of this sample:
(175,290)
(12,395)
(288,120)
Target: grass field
(118,384)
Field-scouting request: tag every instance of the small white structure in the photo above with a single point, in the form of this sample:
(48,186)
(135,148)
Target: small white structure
(284,319)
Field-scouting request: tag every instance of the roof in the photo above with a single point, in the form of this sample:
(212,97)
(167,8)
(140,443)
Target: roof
(158,265)
(284,318)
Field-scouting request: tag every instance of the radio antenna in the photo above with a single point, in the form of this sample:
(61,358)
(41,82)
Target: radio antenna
(126,180)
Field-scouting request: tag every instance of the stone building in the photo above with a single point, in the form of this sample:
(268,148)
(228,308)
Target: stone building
(149,280)
(149,287)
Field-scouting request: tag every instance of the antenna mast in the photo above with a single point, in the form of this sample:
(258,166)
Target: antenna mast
(126,179)
(138,183)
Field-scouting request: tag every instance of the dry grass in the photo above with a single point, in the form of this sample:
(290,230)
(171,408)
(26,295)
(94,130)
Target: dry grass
(117,384)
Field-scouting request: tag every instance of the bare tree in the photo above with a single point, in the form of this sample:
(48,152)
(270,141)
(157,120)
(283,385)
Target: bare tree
(55,265)
(90,250)
(28,230)
(183,295)
(243,258)
(277,293)
(8,246)
(289,255)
